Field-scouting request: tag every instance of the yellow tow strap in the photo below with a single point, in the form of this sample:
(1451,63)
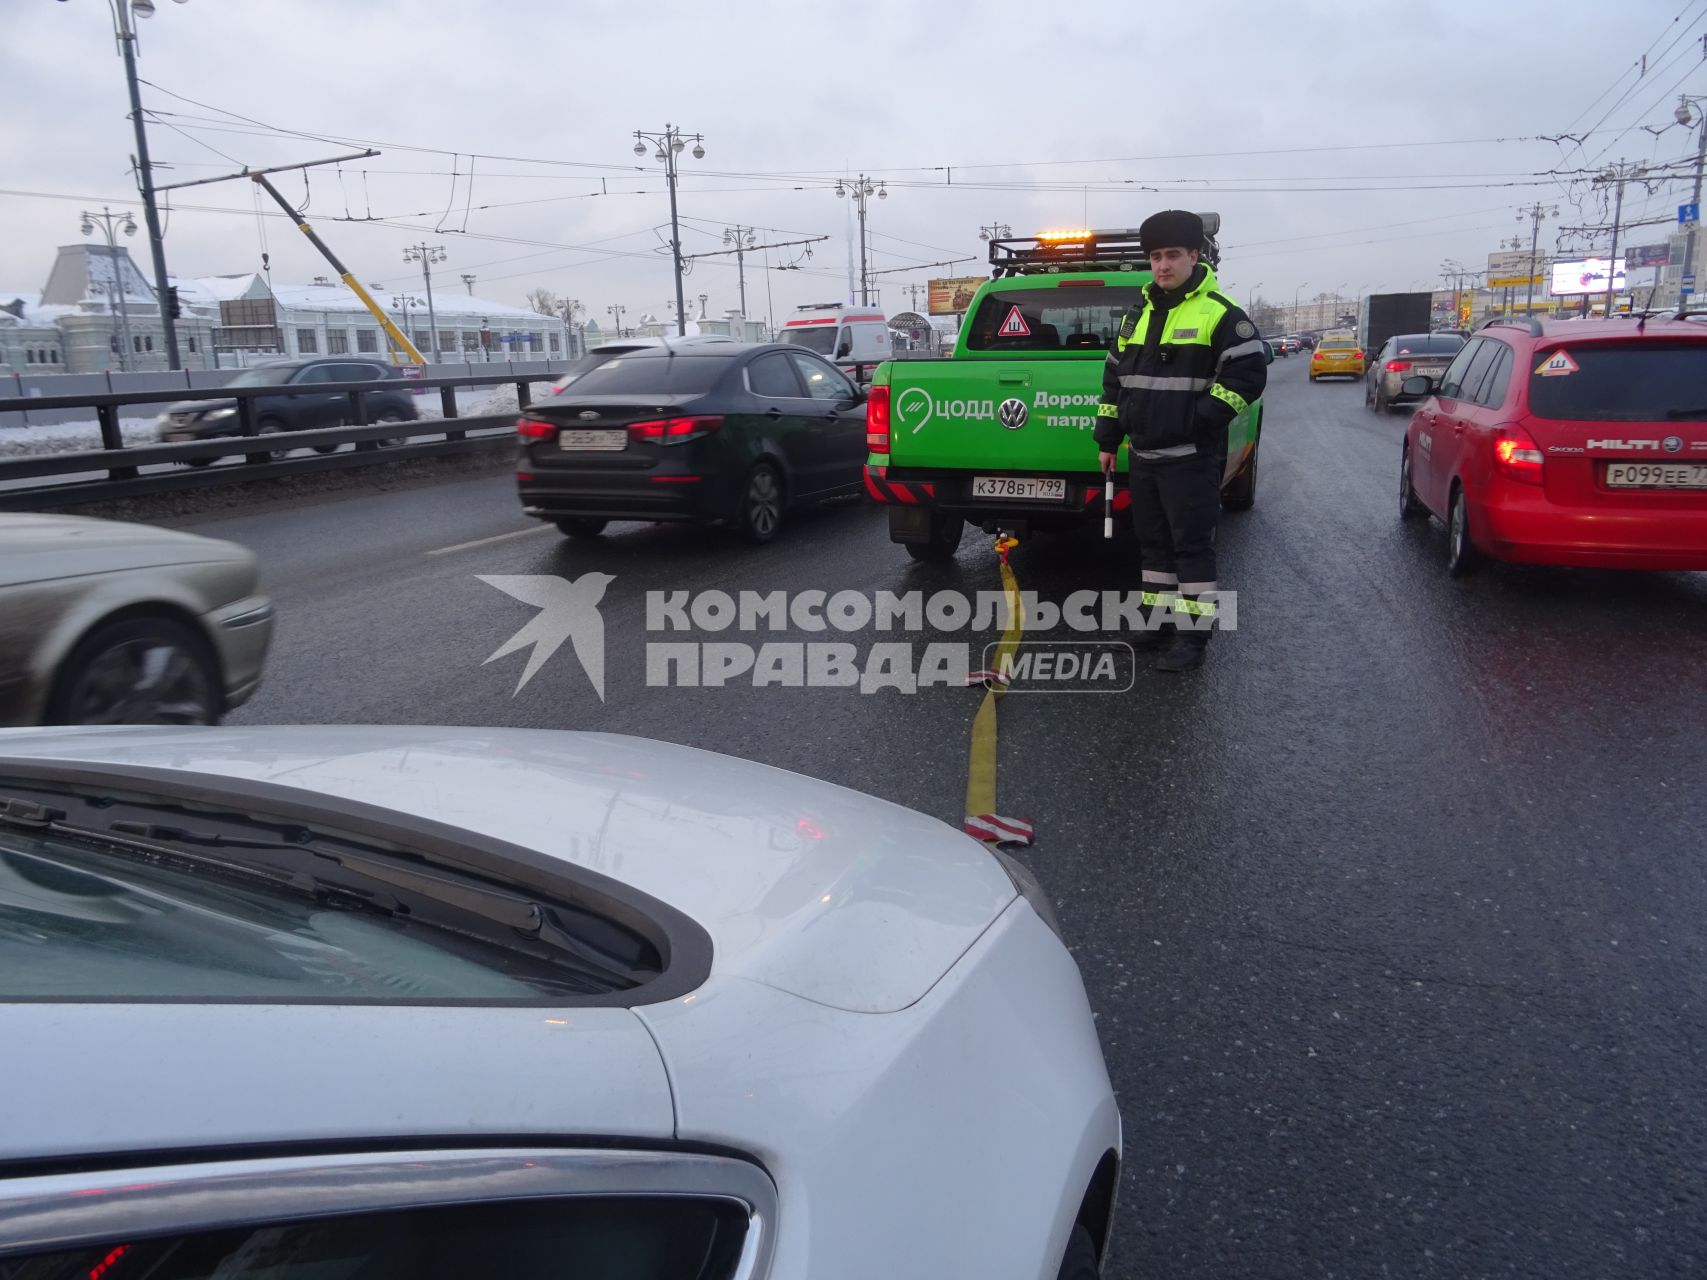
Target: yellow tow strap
(982,818)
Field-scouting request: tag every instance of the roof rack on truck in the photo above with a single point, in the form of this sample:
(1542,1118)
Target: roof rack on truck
(1083,249)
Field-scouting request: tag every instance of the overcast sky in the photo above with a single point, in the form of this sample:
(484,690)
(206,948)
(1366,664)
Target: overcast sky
(1346,145)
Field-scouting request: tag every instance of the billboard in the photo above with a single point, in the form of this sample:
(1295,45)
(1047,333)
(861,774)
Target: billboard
(1587,275)
(1510,268)
(1648,255)
(953,296)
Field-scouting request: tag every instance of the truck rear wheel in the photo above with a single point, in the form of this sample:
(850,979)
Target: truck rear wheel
(943,540)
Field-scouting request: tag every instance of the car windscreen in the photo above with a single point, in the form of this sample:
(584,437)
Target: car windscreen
(1066,318)
(1428,344)
(265,376)
(1620,382)
(654,373)
(818,338)
(79,921)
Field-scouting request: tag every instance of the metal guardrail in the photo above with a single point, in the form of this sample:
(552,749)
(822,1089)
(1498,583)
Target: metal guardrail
(121,462)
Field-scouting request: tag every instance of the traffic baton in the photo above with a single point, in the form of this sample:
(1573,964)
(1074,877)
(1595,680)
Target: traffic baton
(1108,504)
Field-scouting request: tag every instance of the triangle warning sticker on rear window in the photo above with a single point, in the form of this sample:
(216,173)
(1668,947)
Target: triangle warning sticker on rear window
(1014,326)
(1557,365)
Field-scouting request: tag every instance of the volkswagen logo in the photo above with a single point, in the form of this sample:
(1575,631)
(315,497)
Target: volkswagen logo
(1672,444)
(587,414)
(1012,414)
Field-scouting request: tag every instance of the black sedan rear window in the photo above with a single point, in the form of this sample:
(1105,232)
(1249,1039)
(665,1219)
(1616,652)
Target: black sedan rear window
(1428,344)
(664,374)
(1620,382)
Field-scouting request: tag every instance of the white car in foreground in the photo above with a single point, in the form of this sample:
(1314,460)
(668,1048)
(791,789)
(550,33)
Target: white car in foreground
(305,1002)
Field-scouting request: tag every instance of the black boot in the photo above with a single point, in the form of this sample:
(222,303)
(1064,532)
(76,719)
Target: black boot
(1186,653)
(1158,631)
(1190,641)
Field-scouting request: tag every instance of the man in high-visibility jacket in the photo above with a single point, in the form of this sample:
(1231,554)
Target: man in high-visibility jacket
(1185,362)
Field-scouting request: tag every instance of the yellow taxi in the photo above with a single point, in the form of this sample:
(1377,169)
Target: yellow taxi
(1337,356)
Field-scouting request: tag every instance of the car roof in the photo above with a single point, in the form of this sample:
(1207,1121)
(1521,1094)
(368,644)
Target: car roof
(1619,327)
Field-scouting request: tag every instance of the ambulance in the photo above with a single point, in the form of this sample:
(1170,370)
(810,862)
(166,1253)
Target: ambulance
(850,336)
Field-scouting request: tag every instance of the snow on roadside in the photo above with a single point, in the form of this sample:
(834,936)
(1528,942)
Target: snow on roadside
(69,437)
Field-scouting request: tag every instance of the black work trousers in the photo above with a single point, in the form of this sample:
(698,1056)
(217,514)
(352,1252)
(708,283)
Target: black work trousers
(1176,504)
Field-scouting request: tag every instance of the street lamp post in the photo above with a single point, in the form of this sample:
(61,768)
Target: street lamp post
(1300,289)
(1684,116)
(863,190)
(403,302)
(742,239)
(670,145)
(426,255)
(1536,215)
(995,231)
(468,282)
(106,218)
(616,310)
(126,36)
(1617,176)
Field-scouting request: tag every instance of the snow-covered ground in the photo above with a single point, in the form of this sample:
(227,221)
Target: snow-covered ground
(69,437)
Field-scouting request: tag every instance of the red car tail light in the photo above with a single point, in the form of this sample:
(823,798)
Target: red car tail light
(535,429)
(1397,366)
(1317,356)
(877,420)
(1516,455)
(675,430)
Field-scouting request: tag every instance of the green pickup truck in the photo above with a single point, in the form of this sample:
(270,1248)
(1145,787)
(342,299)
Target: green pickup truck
(998,435)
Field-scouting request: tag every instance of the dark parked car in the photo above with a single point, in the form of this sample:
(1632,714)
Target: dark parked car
(720,433)
(303,403)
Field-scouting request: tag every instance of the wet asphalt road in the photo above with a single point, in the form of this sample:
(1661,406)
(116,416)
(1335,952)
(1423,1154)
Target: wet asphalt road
(1392,916)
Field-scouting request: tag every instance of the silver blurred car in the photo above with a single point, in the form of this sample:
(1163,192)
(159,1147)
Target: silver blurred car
(103,622)
(1407,356)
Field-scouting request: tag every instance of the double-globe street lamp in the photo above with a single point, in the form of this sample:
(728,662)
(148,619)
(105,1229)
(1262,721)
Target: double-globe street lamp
(106,219)
(669,146)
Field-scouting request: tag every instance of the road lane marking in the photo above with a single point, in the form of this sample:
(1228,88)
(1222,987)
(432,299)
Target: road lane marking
(485,542)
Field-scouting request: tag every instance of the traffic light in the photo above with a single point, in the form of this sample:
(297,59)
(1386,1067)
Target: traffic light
(172,308)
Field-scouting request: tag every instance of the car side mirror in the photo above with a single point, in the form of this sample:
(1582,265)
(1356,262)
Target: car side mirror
(845,349)
(1267,354)
(1420,385)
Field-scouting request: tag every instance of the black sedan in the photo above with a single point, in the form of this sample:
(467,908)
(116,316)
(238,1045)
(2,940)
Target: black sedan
(304,402)
(722,433)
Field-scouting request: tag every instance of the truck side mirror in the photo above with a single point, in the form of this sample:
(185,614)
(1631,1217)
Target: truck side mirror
(845,349)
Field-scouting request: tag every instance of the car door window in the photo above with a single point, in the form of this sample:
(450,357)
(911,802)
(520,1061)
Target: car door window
(1493,388)
(312,375)
(1451,386)
(822,381)
(1480,363)
(772,376)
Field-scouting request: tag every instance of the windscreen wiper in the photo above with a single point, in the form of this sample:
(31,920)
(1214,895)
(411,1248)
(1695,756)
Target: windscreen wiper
(407,892)
(1698,412)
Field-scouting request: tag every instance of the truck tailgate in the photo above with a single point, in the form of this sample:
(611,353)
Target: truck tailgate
(995,415)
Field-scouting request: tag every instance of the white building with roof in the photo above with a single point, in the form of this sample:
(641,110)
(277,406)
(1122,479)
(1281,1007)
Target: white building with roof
(98,313)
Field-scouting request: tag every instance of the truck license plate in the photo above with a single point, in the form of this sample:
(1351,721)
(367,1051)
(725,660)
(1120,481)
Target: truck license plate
(1654,475)
(585,438)
(1031,488)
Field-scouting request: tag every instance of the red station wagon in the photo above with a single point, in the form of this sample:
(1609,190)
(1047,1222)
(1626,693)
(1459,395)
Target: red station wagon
(1577,442)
